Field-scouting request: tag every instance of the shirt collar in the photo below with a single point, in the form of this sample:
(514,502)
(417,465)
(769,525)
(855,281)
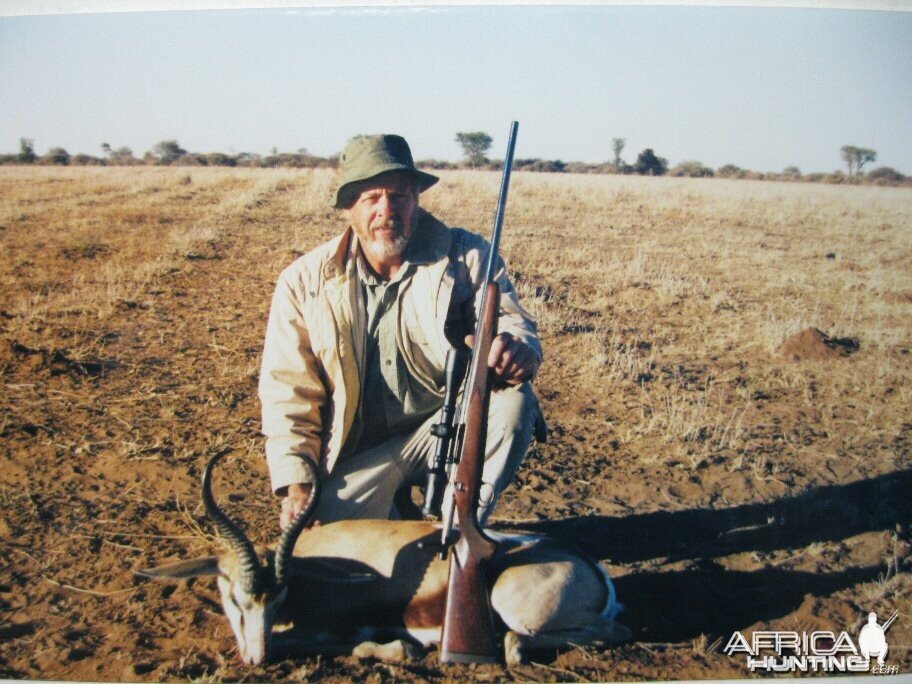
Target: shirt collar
(367,277)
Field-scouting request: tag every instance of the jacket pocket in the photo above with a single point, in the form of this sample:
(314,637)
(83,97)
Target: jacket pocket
(423,358)
(321,329)
(415,335)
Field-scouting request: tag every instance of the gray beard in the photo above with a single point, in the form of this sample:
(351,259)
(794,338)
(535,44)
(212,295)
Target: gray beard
(387,249)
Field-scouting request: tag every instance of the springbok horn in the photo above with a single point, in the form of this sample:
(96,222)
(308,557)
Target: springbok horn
(290,534)
(249,563)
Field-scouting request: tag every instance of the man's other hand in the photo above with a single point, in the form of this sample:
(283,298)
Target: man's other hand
(294,502)
(512,360)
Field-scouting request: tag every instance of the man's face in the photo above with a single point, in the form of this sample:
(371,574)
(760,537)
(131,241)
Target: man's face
(383,217)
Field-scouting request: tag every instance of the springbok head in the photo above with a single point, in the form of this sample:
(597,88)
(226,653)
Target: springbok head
(252,589)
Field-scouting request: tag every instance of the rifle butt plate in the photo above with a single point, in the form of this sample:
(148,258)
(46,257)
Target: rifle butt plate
(467,658)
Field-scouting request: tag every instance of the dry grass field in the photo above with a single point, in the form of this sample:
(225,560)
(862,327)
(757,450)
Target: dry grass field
(734,469)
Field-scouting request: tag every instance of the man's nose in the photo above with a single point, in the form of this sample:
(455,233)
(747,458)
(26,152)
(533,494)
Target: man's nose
(385,206)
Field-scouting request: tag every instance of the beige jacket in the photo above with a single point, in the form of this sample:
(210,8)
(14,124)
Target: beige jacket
(310,380)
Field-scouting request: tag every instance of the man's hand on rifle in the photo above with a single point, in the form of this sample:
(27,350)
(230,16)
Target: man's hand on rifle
(294,502)
(512,360)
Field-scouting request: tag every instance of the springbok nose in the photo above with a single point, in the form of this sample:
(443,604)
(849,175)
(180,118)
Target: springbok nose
(254,651)
(253,657)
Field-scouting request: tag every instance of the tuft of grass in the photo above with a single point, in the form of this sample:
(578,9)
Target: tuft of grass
(88,249)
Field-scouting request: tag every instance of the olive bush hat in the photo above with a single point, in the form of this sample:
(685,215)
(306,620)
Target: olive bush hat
(367,156)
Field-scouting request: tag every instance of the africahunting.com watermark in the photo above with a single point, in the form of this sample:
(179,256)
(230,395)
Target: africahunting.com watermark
(818,651)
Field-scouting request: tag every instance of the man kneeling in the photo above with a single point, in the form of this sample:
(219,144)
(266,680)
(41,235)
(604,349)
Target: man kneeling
(354,360)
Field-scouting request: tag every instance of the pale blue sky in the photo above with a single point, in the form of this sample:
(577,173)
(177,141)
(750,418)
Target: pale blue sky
(763,88)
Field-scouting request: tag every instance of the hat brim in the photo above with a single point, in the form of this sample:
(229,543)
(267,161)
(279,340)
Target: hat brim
(425,180)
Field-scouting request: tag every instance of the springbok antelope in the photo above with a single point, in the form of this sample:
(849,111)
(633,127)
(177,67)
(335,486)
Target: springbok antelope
(342,584)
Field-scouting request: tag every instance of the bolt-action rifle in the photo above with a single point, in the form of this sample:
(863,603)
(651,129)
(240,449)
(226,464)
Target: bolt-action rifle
(468,626)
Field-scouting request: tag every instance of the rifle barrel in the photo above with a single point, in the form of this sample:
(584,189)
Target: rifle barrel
(493,256)
(502,203)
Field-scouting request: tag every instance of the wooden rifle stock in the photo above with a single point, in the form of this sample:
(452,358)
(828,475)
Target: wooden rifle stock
(468,626)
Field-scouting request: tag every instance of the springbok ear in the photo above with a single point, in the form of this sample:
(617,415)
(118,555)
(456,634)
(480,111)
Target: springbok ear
(196,567)
(333,570)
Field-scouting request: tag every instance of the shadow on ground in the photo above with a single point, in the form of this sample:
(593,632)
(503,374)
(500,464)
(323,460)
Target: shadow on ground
(709,599)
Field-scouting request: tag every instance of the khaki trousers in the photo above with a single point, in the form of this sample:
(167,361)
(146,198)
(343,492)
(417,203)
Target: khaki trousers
(363,486)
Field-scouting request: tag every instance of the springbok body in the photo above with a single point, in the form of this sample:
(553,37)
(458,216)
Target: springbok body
(354,581)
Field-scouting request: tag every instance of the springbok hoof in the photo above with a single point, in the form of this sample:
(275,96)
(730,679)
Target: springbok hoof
(393,651)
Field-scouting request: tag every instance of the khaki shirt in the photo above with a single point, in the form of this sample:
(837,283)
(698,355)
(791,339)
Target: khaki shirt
(310,384)
(398,402)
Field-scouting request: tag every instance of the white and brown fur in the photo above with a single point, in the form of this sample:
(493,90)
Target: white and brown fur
(352,582)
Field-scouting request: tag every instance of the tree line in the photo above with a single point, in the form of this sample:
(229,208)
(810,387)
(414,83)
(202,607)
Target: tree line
(165,153)
(475,146)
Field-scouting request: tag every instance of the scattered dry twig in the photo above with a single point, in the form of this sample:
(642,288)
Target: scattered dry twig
(90,592)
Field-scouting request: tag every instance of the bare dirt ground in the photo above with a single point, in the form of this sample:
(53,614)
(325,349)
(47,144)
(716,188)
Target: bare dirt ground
(728,385)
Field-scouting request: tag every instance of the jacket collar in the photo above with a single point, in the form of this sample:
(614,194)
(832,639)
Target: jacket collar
(429,244)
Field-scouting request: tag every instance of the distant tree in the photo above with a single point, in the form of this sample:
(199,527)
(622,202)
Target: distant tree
(86,160)
(692,169)
(856,157)
(26,151)
(475,146)
(886,175)
(618,146)
(547,166)
(106,148)
(648,164)
(272,159)
(579,167)
(439,164)
(122,155)
(168,151)
(792,172)
(248,159)
(730,171)
(220,159)
(58,155)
